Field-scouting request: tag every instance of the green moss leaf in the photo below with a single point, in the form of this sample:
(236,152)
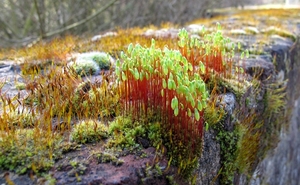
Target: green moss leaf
(124,78)
(199,105)
(164,83)
(176,111)
(174,103)
(197,115)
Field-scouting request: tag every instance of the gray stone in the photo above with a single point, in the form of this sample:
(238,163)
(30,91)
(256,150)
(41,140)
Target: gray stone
(281,166)
(209,162)
(258,66)
(227,102)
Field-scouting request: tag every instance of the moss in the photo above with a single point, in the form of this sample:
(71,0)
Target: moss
(248,145)
(155,134)
(213,114)
(88,131)
(20,85)
(170,180)
(102,59)
(85,67)
(281,32)
(16,119)
(124,132)
(105,157)
(228,144)
(92,100)
(274,115)
(20,150)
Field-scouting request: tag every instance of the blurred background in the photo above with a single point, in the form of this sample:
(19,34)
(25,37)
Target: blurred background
(22,22)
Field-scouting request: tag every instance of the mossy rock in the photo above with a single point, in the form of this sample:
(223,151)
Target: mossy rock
(85,67)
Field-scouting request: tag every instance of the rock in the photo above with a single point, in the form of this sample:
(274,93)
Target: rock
(238,32)
(227,102)
(281,166)
(252,30)
(209,162)
(257,67)
(195,28)
(162,33)
(107,34)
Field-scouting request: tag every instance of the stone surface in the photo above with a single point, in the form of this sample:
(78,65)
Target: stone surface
(209,162)
(281,166)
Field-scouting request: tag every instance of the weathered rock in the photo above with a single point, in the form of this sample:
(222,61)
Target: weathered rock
(10,76)
(209,162)
(258,68)
(281,166)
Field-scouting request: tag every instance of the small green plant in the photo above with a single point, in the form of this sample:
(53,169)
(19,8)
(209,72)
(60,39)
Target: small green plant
(17,119)
(103,60)
(74,163)
(88,131)
(124,132)
(163,83)
(91,63)
(155,134)
(105,157)
(50,180)
(85,67)
(228,144)
(20,85)
(172,84)
(27,152)
(96,100)
(274,114)
(248,144)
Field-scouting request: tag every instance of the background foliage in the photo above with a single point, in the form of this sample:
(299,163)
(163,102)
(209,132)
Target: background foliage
(23,22)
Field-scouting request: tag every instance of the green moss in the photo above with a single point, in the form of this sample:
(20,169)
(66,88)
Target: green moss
(228,144)
(105,157)
(124,132)
(103,60)
(155,134)
(91,63)
(248,145)
(170,180)
(85,67)
(213,114)
(20,85)
(20,151)
(275,101)
(90,100)
(89,131)
(17,119)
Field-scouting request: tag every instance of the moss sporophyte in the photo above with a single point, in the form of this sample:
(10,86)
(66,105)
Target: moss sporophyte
(172,84)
